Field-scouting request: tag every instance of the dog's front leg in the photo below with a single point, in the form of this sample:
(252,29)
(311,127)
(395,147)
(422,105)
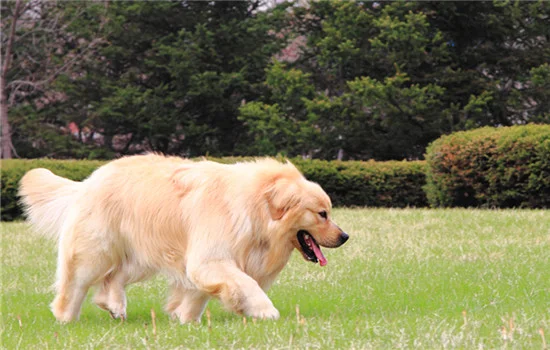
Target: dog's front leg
(185,304)
(237,291)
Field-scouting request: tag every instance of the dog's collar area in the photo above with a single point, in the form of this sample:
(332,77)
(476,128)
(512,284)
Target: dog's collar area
(310,249)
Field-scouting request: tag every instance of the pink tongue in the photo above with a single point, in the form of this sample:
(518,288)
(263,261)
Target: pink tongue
(319,254)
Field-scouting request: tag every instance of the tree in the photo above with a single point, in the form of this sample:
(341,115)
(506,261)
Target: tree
(534,99)
(174,75)
(493,47)
(391,77)
(366,79)
(7,145)
(371,96)
(282,126)
(39,46)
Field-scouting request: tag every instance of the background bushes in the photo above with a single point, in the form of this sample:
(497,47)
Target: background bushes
(491,167)
(357,183)
(14,169)
(382,184)
(373,184)
(487,167)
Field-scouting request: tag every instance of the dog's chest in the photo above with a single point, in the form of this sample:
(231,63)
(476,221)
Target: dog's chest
(265,262)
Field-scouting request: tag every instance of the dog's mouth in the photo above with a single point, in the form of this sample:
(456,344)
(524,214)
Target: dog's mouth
(310,249)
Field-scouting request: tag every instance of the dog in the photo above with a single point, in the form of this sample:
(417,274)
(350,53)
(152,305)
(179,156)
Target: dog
(216,230)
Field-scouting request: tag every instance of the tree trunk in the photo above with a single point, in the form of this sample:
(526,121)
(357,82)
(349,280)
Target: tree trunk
(7,145)
(6,131)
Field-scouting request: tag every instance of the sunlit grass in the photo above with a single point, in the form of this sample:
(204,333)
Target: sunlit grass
(406,278)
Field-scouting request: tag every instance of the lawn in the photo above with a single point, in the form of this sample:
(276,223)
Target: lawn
(406,278)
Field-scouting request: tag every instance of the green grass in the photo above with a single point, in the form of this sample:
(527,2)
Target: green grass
(406,278)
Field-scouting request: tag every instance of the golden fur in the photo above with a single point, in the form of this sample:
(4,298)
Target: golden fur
(216,230)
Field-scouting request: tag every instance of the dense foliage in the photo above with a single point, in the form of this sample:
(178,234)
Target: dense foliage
(382,80)
(14,169)
(167,76)
(335,79)
(380,184)
(390,184)
(491,167)
(487,167)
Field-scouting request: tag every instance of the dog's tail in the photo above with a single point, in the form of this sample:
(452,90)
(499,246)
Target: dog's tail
(46,199)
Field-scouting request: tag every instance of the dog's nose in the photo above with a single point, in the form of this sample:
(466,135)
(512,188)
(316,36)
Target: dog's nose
(343,237)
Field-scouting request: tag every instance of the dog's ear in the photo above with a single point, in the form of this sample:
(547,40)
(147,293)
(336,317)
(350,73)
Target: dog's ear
(282,196)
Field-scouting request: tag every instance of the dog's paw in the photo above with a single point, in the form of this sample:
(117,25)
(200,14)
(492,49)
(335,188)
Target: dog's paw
(118,315)
(117,311)
(61,312)
(64,318)
(262,310)
(265,314)
(185,318)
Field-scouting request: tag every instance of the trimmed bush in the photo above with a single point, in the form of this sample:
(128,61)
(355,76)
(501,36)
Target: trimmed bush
(355,183)
(14,169)
(377,184)
(491,167)
(372,184)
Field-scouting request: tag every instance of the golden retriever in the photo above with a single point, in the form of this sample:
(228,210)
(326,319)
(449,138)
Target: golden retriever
(215,230)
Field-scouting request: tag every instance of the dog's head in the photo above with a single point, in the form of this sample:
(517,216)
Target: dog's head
(304,209)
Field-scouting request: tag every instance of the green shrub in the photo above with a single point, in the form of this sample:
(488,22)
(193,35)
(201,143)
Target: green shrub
(491,167)
(14,169)
(377,184)
(373,184)
(354,183)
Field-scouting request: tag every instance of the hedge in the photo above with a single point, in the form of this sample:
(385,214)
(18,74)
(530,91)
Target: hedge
(373,184)
(491,167)
(14,169)
(377,184)
(487,167)
(396,184)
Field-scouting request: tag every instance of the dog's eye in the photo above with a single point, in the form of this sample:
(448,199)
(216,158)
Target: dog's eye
(323,214)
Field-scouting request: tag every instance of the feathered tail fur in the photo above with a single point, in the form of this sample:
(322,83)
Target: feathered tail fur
(47,198)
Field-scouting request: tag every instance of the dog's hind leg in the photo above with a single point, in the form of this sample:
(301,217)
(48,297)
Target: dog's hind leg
(186,304)
(77,271)
(111,295)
